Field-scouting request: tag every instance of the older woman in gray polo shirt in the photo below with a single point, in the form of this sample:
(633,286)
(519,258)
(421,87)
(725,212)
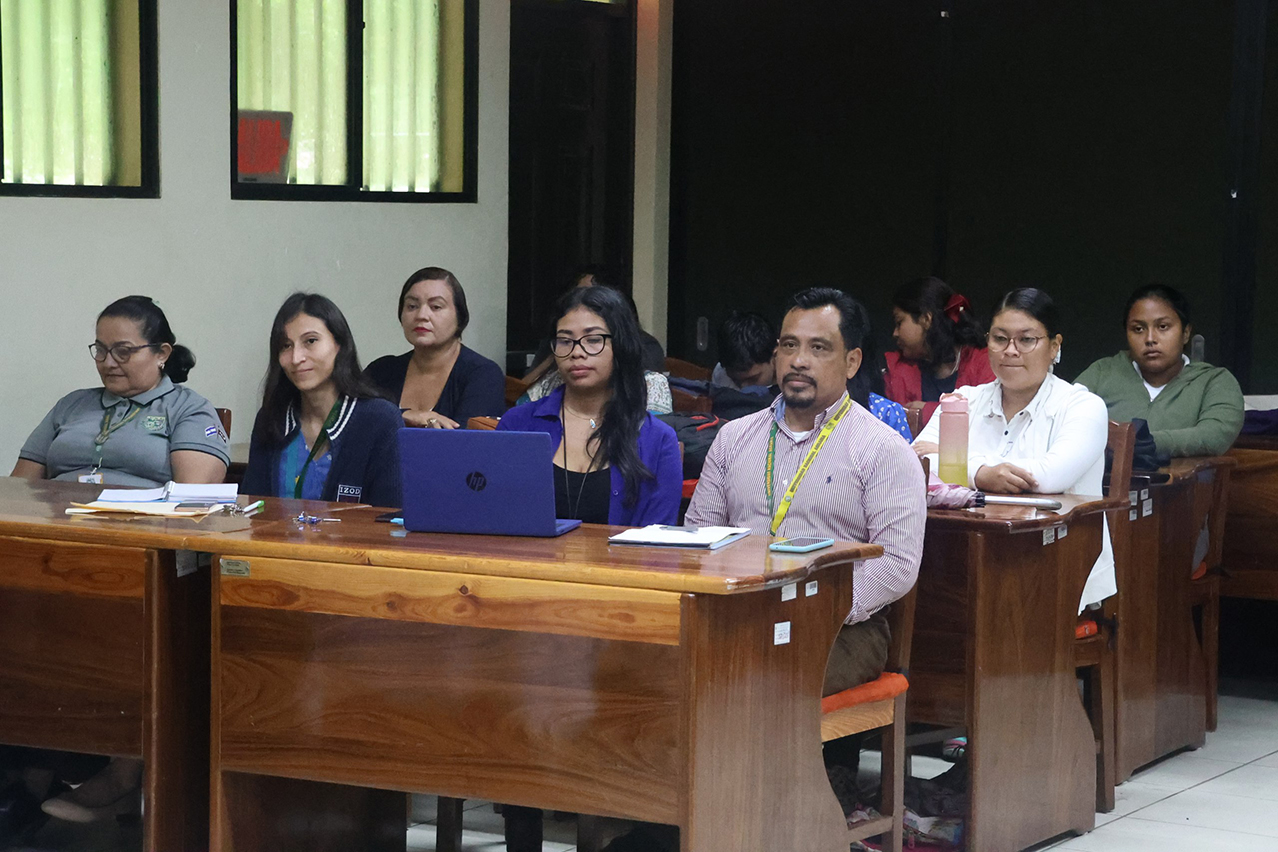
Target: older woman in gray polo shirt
(140,428)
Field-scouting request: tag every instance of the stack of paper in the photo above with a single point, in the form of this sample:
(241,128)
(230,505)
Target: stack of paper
(659,535)
(161,502)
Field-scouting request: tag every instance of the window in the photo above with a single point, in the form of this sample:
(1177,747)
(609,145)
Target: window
(78,97)
(369,100)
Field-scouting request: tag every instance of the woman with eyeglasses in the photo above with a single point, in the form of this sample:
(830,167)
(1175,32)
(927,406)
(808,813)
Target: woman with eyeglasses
(441,383)
(1029,430)
(940,345)
(324,431)
(142,427)
(614,463)
(1193,409)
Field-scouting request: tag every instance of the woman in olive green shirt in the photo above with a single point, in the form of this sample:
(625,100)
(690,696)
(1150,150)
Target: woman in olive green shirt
(1193,409)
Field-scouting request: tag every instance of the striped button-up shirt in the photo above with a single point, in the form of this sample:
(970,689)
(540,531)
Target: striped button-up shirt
(865,485)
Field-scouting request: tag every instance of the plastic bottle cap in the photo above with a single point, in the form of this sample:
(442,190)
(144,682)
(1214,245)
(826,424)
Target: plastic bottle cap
(954,404)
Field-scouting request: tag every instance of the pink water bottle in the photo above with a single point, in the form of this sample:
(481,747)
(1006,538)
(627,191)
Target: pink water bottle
(953,453)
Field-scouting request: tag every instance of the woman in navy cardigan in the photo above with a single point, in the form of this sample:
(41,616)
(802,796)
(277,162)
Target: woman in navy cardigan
(324,432)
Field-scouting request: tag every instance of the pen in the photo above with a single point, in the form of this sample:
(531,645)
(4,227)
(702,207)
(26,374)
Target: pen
(252,509)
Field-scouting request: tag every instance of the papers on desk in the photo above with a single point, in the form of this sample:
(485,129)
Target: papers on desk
(658,535)
(161,502)
(173,492)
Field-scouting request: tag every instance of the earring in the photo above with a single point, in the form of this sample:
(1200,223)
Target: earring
(1057,359)
(162,365)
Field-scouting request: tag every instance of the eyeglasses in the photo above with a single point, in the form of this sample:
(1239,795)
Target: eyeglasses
(591,344)
(120,352)
(1024,343)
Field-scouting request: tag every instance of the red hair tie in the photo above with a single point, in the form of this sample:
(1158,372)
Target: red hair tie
(955,307)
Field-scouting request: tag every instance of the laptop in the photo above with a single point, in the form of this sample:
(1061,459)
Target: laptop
(483,482)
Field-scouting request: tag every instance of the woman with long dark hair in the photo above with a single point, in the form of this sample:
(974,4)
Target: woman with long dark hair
(614,462)
(940,345)
(324,432)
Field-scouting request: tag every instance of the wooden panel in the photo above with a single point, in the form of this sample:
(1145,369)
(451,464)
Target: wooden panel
(71,672)
(754,775)
(1136,560)
(1250,543)
(176,725)
(572,609)
(75,569)
(558,722)
(993,650)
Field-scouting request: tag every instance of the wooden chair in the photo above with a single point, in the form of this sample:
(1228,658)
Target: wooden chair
(1204,591)
(224,414)
(688,403)
(914,417)
(687,370)
(1094,638)
(880,706)
(514,389)
(484,424)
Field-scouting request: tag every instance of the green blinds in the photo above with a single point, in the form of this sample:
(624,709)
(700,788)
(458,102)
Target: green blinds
(57,91)
(291,57)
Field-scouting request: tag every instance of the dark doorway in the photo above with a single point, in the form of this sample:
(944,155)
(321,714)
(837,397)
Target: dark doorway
(572,80)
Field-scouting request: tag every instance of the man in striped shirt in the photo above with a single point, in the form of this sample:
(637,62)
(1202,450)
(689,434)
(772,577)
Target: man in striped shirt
(864,484)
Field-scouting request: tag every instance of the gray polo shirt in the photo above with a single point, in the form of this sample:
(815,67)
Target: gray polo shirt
(155,423)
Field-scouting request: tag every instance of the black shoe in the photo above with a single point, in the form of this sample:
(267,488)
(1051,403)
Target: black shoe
(20,814)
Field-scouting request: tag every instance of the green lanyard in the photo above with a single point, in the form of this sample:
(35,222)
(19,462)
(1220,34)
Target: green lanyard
(108,430)
(779,513)
(320,440)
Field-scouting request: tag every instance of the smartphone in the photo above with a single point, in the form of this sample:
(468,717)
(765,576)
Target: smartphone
(802,544)
(390,518)
(1017,500)
(195,505)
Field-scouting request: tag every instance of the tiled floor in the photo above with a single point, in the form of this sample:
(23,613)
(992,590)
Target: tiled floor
(1221,798)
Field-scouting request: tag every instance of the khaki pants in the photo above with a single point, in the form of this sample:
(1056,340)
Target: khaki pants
(859,654)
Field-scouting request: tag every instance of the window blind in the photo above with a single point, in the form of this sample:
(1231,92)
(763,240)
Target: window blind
(56,74)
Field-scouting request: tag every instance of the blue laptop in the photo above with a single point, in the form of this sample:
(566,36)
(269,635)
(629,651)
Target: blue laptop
(470,481)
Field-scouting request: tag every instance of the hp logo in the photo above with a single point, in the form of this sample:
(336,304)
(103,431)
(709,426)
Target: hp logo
(476,481)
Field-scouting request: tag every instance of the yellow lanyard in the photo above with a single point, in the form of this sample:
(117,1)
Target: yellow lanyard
(779,513)
(107,430)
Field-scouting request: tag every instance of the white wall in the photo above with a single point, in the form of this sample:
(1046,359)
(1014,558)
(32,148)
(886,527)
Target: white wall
(653,72)
(220,268)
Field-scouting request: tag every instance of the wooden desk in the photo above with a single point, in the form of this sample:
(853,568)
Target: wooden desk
(103,647)
(557,673)
(1250,555)
(1160,661)
(994,652)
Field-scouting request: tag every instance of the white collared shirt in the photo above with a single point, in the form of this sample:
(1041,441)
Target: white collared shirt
(1059,438)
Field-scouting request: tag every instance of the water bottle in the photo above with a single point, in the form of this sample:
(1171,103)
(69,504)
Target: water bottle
(953,466)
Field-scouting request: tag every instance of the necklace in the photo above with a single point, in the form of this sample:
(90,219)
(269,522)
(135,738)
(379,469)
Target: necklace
(575,510)
(564,406)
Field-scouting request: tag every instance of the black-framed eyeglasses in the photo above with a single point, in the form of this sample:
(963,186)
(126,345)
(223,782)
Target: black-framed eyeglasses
(1024,343)
(120,352)
(591,344)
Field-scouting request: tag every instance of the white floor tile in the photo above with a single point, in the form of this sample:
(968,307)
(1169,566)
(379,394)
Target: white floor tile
(1240,743)
(1250,781)
(1271,760)
(1131,797)
(1182,771)
(1200,809)
(422,839)
(1139,835)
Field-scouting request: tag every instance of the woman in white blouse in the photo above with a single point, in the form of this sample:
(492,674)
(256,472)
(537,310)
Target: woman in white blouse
(1029,430)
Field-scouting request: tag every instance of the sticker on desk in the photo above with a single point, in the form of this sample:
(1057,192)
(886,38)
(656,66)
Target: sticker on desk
(1062,531)
(1131,515)
(781,633)
(1144,494)
(810,589)
(789,591)
(188,562)
(1147,508)
(1132,498)
(235,568)
(1049,536)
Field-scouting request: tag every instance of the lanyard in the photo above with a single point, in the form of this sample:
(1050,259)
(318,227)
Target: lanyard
(779,513)
(108,430)
(320,440)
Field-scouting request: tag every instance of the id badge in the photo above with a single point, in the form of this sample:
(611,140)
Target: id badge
(91,478)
